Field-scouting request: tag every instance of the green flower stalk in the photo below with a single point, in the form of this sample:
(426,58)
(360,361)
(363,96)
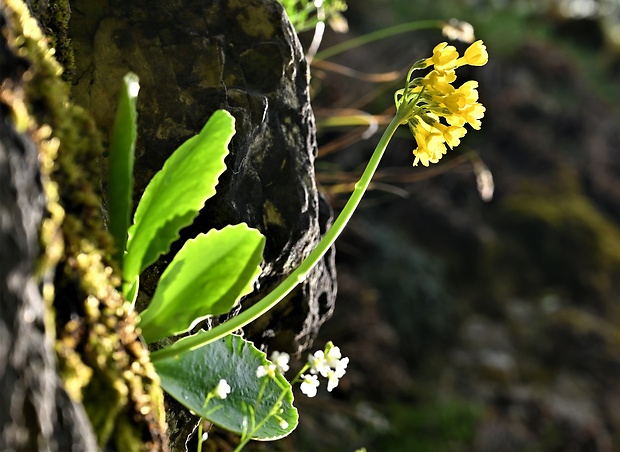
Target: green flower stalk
(422,104)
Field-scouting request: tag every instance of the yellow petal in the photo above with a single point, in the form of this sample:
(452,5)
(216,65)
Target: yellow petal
(444,57)
(453,135)
(476,54)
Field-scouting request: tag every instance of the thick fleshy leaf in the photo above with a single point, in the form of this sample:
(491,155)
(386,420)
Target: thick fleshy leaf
(206,277)
(122,147)
(176,194)
(189,378)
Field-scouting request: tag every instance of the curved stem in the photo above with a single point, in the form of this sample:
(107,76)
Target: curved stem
(301,273)
(375,36)
(247,438)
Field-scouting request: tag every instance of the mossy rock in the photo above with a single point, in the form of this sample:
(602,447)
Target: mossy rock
(102,360)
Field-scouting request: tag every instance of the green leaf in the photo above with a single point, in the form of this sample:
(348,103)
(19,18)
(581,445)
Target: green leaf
(131,294)
(206,277)
(121,162)
(176,194)
(190,377)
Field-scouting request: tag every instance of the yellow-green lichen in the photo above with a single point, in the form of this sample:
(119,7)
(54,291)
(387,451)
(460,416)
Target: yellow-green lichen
(101,357)
(253,20)
(271,214)
(553,221)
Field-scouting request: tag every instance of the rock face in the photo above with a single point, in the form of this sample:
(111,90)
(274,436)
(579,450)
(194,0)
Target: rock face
(35,411)
(194,57)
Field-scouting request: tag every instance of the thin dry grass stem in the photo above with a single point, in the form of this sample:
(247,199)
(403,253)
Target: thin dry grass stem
(336,68)
(336,183)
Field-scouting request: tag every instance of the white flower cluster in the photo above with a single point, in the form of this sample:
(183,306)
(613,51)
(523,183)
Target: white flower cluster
(330,364)
(278,364)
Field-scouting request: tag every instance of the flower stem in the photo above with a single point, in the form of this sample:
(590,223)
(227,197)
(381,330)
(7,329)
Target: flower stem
(245,439)
(199,448)
(301,273)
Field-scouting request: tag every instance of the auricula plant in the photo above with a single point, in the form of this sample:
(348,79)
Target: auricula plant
(213,271)
(416,108)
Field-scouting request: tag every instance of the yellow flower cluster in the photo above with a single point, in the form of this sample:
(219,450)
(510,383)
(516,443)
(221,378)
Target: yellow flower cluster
(430,98)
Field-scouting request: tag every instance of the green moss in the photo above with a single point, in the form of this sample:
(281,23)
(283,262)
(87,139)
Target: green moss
(101,357)
(253,20)
(54,17)
(553,223)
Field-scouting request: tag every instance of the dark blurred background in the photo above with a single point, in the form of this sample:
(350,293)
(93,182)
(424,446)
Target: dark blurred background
(476,323)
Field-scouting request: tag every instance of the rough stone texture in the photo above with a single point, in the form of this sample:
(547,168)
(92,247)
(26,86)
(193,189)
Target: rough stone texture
(194,57)
(35,411)
(101,359)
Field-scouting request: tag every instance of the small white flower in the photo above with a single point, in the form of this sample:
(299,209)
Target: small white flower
(318,364)
(222,389)
(282,423)
(332,380)
(333,355)
(280,359)
(269,369)
(334,376)
(341,367)
(309,385)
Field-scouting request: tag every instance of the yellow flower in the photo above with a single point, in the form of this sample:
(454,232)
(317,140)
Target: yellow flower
(440,81)
(475,55)
(451,134)
(465,95)
(434,109)
(455,120)
(430,151)
(430,141)
(473,114)
(455,101)
(444,57)
(469,91)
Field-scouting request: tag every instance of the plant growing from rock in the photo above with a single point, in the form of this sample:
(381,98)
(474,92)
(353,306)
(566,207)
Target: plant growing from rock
(217,374)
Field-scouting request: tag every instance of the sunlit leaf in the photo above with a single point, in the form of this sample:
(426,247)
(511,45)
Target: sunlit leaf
(122,147)
(206,277)
(178,191)
(190,377)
